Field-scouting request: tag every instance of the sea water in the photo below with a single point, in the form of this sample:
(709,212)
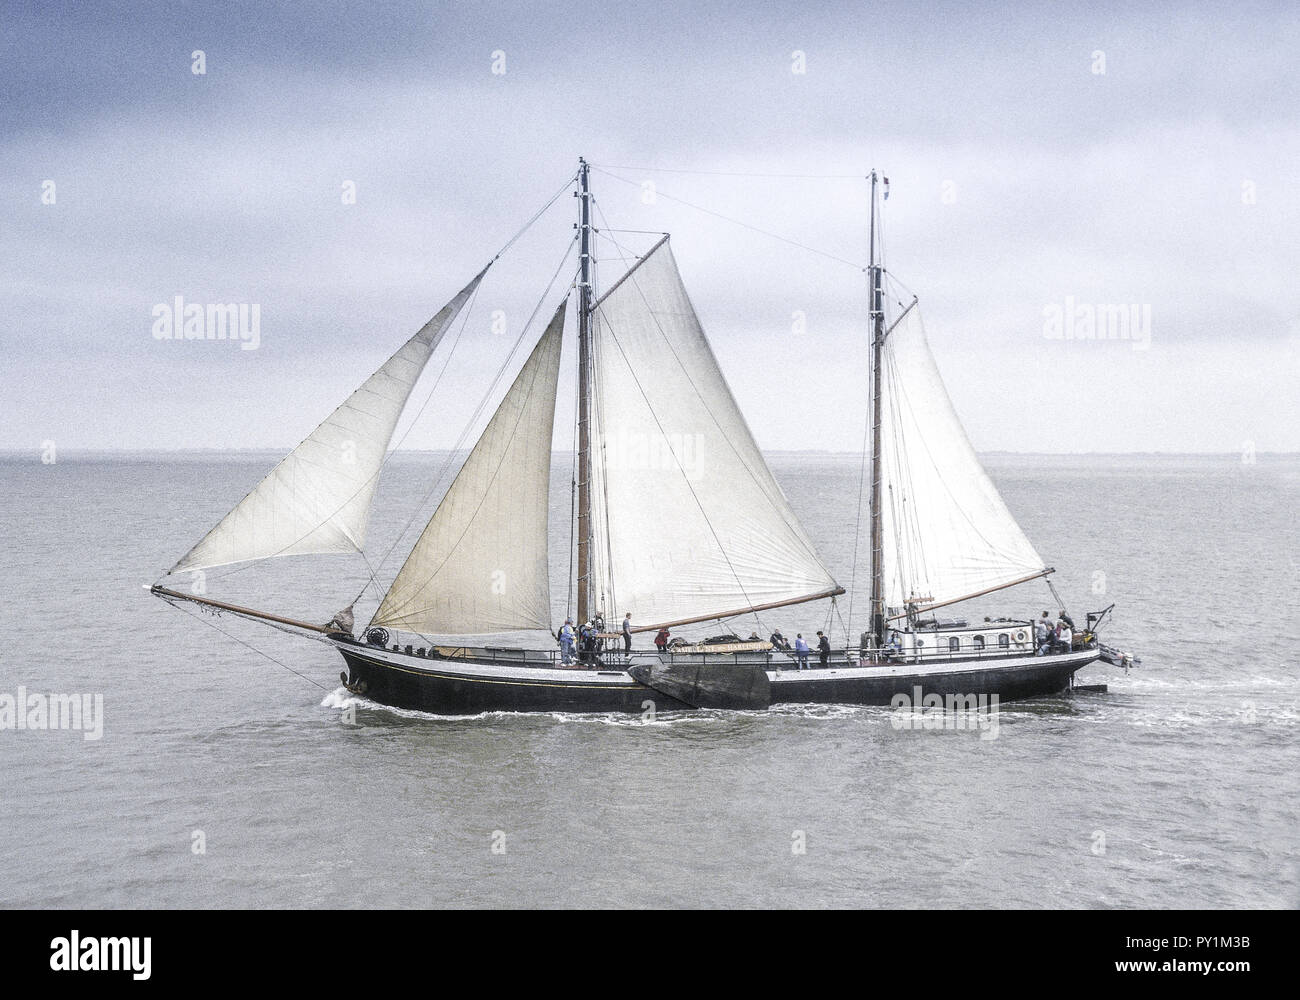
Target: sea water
(232,770)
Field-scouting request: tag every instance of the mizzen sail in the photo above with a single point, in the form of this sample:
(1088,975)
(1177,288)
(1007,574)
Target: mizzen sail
(688,520)
(481,565)
(318,498)
(947,533)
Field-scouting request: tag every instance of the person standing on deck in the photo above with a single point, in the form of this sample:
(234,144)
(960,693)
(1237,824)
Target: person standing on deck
(627,632)
(566,642)
(824,648)
(801,651)
(661,640)
(1042,637)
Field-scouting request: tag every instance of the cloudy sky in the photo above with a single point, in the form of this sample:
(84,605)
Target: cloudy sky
(1038,157)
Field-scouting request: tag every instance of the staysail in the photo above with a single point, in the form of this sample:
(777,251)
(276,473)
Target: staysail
(481,565)
(946,532)
(318,498)
(688,520)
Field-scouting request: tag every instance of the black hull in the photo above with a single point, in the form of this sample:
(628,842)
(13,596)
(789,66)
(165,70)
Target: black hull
(1007,683)
(448,687)
(452,693)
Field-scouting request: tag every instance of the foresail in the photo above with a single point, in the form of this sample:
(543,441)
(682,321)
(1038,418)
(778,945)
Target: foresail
(687,518)
(318,498)
(480,565)
(946,531)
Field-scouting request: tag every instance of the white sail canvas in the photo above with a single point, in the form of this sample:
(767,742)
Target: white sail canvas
(687,518)
(946,532)
(318,498)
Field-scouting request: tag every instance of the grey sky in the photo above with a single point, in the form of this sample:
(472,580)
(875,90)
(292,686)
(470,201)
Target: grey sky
(1019,176)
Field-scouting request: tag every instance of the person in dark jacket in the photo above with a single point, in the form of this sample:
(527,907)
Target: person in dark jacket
(824,648)
(627,632)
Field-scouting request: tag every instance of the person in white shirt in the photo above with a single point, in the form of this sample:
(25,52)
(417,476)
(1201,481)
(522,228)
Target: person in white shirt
(1064,635)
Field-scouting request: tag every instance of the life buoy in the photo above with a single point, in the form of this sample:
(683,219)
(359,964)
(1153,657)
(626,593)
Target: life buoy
(1021,636)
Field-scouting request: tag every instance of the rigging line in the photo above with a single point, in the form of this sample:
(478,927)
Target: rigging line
(573,514)
(473,418)
(795,528)
(523,408)
(862,473)
(465,313)
(522,334)
(909,540)
(537,215)
(598,404)
(848,634)
(374,570)
(902,392)
(729,173)
(857,526)
(738,222)
(1059,603)
(212,624)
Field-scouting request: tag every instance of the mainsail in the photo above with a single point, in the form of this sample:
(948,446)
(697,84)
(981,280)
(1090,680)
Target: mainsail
(946,531)
(480,565)
(318,498)
(688,520)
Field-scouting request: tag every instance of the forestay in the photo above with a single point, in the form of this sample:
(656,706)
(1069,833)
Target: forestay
(318,498)
(946,531)
(480,565)
(687,518)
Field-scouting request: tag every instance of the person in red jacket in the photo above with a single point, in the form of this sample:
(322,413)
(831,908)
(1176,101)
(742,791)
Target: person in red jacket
(661,640)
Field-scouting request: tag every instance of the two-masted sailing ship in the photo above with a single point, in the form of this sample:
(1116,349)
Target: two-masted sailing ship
(683,541)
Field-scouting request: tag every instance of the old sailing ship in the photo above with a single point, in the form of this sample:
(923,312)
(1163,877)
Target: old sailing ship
(696,542)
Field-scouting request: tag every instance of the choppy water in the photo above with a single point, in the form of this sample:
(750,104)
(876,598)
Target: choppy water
(1178,788)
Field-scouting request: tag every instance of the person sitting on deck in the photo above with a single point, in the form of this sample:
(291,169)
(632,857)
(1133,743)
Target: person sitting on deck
(779,641)
(801,651)
(824,648)
(661,640)
(1064,636)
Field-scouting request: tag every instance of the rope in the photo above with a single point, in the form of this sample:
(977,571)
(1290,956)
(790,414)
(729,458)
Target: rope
(473,419)
(501,460)
(743,225)
(206,621)
(730,173)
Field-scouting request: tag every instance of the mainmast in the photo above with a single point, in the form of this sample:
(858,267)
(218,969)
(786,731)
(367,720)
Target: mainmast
(584,392)
(877,345)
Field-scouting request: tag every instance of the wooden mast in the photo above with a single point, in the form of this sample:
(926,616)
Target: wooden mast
(877,343)
(584,394)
